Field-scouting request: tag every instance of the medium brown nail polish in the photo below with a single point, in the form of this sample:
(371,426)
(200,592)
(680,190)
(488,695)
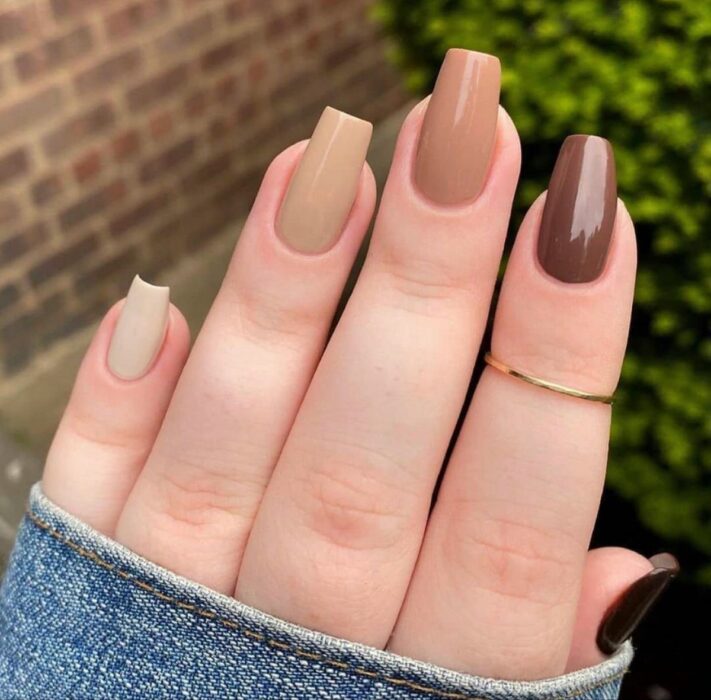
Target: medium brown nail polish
(580,210)
(459,128)
(625,615)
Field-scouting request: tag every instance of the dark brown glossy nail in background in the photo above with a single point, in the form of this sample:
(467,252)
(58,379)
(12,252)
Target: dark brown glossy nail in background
(627,612)
(579,213)
(459,128)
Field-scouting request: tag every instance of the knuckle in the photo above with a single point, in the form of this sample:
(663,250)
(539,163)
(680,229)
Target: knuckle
(512,559)
(348,503)
(422,284)
(194,496)
(109,436)
(268,320)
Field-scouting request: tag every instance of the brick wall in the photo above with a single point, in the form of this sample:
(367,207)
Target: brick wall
(133,131)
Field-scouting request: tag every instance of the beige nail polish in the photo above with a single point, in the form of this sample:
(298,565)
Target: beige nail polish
(325,183)
(459,128)
(140,330)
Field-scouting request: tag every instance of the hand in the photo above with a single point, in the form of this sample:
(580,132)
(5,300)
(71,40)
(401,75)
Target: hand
(299,479)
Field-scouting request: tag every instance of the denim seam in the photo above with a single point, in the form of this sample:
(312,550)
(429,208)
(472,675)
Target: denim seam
(257,636)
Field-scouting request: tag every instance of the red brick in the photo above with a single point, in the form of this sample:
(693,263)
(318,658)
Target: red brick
(9,211)
(61,325)
(27,326)
(118,266)
(286,23)
(186,35)
(196,103)
(345,50)
(167,161)
(256,71)
(13,165)
(139,214)
(108,72)
(8,296)
(136,17)
(87,166)
(18,22)
(157,88)
(125,145)
(63,9)
(226,52)
(207,171)
(226,88)
(237,10)
(96,202)
(45,189)
(22,241)
(30,111)
(78,128)
(53,54)
(160,125)
(58,262)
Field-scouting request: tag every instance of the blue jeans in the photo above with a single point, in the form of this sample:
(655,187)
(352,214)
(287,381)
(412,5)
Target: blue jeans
(83,617)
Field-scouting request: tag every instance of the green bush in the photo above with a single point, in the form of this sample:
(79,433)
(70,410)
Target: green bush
(638,73)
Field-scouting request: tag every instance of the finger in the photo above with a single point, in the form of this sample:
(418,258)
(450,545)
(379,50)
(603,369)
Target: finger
(502,561)
(193,505)
(619,588)
(118,402)
(341,523)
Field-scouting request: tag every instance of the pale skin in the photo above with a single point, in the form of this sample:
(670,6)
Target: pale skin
(298,477)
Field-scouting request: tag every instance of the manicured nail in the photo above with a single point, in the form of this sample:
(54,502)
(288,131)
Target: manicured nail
(324,186)
(459,128)
(580,210)
(630,609)
(140,330)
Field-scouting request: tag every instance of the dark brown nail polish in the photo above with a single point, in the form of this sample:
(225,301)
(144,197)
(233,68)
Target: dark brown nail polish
(630,609)
(580,210)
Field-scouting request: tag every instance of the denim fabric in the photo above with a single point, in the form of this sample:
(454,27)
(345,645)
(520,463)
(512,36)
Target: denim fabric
(82,617)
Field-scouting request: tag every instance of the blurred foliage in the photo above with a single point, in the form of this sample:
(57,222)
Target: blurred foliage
(638,73)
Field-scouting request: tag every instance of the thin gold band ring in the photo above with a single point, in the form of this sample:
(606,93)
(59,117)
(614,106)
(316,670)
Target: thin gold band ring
(544,383)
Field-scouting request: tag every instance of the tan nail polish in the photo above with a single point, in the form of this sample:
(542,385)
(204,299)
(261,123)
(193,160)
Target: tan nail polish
(459,128)
(325,183)
(140,330)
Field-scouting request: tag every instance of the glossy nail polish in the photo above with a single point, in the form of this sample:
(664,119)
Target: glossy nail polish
(324,186)
(579,213)
(634,604)
(459,128)
(140,330)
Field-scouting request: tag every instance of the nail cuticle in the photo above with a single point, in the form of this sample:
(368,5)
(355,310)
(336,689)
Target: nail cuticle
(625,615)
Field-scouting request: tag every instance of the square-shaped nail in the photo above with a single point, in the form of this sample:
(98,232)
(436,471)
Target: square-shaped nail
(325,184)
(580,208)
(459,128)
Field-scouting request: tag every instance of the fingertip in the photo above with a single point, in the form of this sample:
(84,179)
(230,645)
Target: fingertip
(495,197)
(608,573)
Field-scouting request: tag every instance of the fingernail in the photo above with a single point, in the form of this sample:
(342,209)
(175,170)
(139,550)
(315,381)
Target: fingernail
(580,210)
(630,609)
(459,128)
(324,186)
(140,330)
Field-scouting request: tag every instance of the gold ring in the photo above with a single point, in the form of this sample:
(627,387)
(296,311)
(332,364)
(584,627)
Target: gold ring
(544,383)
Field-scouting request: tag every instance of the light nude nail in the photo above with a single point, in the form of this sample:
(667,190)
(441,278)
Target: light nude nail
(140,330)
(324,186)
(459,128)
